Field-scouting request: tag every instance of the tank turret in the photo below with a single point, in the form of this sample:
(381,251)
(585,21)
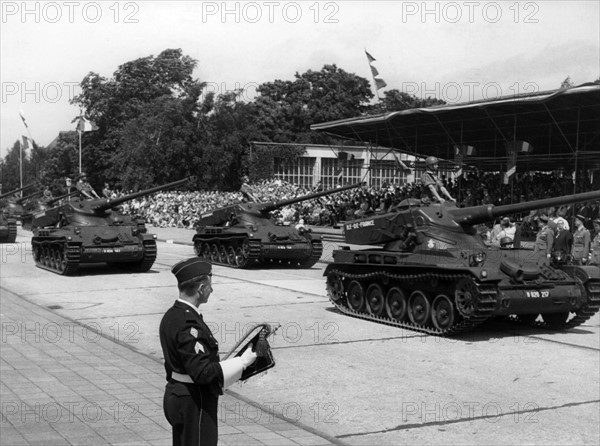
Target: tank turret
(39,205)
(433,272)
(244,234)
(94,231)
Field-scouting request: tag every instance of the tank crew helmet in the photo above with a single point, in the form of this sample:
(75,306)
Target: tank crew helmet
(506,242)
(431,161)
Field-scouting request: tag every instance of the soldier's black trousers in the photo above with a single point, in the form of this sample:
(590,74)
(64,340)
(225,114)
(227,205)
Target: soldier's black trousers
(192,412)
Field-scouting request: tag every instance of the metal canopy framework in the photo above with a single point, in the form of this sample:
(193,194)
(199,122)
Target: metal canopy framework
(561,126)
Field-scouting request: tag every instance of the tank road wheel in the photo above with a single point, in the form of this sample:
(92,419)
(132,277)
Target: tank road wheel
(356,296)
(396,304)
(52,257)
(223,254)
(556,321)
(466,297)
(45,256)
(442,313)
(205,251)
(375,300)
(419,308)
(56,260)
(230,256)
(242,254)
(214,252)
(335,287)
(62,261)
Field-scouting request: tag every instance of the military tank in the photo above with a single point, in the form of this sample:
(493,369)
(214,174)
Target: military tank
(8,219)
(93,231)
(431,272)
(243,234)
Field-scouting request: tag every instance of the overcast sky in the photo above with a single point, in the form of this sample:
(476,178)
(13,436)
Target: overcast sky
(456,51)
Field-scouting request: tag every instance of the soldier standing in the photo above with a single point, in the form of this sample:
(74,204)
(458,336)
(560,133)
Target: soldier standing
(595,245)
(86,188)
(544,239)
(195,376)
(431,182)
(581,242)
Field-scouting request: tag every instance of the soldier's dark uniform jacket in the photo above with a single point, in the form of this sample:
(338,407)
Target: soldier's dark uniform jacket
(190,349)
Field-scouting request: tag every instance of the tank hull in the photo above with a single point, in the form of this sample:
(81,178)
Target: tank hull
(237,249)
(443,295)
(62,252)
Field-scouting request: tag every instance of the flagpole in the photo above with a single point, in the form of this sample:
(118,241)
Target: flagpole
(21,165)
(79,131)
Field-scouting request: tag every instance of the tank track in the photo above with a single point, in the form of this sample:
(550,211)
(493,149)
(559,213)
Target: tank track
(12,232)
(215,255)
(11,237)
(147,261)
(485,308)
(57,256)
(591,306)
(252,253)
(315,255)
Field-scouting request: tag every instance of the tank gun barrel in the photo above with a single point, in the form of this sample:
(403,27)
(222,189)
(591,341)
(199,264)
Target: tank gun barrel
(109,203)
(23,199)
(481,214)
(55,200)
(268,207)
(8,194)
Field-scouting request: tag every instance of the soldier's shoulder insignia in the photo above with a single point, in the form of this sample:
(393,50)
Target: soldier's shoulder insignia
(199,348)
(194,332)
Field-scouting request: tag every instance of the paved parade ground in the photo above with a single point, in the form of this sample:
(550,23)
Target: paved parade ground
(82,364)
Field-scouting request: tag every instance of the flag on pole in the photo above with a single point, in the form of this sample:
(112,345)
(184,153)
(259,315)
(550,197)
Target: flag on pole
(27,143)
(22,115)
(511,165)
(400,164)
(84,125)
(379,83)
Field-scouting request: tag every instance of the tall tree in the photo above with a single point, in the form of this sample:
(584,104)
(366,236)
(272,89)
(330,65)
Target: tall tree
(286,109)
(146,115)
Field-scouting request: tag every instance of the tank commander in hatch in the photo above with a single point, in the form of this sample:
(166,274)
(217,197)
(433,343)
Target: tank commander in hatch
(432,183)
(86,188)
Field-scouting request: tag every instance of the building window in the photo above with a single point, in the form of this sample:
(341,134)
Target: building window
(385,171)
(300,172)
(334,171)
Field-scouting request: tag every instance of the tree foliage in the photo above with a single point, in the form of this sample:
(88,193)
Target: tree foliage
(395,100)
(157,126)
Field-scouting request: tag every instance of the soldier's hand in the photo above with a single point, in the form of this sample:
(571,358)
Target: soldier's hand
(248,357)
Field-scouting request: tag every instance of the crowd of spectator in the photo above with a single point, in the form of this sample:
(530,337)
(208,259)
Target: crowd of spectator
(183,209)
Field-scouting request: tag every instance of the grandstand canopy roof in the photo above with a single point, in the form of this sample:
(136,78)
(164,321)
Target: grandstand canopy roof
(562,127)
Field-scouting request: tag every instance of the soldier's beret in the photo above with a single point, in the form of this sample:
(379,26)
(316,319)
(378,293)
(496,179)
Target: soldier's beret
(190,269)
(544,218)
(580,217)
(597,221)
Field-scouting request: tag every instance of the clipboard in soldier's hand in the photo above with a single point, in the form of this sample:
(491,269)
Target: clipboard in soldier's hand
(264,356)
